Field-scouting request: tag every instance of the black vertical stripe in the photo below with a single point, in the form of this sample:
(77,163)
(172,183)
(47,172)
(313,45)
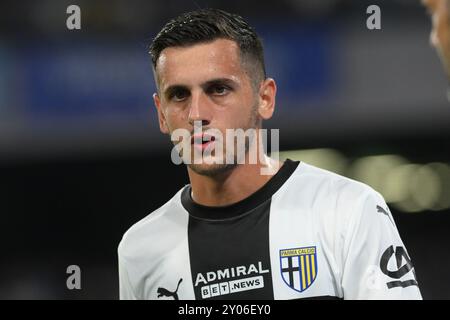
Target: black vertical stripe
(225,244)
(233,237)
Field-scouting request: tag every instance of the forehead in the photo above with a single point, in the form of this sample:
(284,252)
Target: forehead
(200,62)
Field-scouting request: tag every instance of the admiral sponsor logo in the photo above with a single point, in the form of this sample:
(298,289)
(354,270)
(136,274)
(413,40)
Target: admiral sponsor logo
(211,287)
(234,286)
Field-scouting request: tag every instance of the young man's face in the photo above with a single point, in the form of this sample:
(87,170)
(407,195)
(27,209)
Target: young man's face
(440,34)
(207,83)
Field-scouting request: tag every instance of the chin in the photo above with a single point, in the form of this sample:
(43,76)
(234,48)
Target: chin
(211,170)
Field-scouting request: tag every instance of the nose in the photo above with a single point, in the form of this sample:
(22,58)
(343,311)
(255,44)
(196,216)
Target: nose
(199,109)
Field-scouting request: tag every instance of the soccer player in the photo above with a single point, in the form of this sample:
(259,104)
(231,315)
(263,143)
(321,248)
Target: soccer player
(440,33)
(293,232)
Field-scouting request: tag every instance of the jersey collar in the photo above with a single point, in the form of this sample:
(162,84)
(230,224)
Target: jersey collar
(244,206)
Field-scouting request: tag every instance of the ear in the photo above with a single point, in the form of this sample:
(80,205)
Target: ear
(161,117)
(267,93)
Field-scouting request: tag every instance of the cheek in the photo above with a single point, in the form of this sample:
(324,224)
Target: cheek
(241,116)
(176,118)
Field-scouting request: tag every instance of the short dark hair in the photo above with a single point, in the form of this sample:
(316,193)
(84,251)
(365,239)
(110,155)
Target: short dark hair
(205,25)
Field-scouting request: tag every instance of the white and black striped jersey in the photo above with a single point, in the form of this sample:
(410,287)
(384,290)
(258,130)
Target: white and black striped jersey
(307,233)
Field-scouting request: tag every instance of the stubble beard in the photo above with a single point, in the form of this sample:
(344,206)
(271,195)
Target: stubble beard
(221,169)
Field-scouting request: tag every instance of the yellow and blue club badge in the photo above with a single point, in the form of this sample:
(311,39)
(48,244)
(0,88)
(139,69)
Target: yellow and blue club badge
(299,267)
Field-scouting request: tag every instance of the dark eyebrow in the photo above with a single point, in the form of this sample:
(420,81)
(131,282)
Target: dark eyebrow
(219,81)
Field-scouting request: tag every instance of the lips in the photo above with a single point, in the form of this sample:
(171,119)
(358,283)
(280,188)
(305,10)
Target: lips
(201,141)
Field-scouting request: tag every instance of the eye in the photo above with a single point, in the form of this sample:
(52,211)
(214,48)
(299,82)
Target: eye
(219,90)
(179,95)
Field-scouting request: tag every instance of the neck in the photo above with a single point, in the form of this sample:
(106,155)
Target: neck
(234,185)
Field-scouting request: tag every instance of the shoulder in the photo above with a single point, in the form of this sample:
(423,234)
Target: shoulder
(329,198)
(328,185)
(152,228)
(347,205)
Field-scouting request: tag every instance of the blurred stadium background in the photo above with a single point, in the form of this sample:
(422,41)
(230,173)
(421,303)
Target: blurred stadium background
(82,159)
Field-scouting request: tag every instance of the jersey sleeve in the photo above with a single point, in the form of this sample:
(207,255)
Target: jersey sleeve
(376,264)
(126,291)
